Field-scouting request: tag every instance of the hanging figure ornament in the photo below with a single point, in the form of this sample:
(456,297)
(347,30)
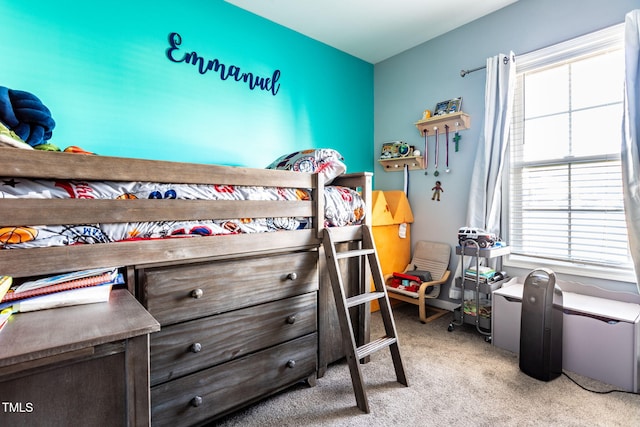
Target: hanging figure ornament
(446,128)
(437,189)
(436,173)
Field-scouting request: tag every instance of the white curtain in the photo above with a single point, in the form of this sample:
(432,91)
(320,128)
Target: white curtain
(486,180)
(631,136)
(485,192)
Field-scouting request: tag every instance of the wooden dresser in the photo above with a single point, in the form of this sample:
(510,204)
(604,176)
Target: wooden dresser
(233,331)
(86,365)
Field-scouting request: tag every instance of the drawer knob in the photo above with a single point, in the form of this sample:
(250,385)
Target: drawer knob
(197,293)
(195,347)
(196,401)
(291,319)
(291,363)
(292,276)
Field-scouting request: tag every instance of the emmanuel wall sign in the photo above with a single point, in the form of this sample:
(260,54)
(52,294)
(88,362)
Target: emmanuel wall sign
(253,81)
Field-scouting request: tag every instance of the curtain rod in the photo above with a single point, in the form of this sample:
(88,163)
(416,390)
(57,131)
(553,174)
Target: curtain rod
(465,72)
(609,34)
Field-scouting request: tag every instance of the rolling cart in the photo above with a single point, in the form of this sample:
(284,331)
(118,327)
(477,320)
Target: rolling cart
(477,311)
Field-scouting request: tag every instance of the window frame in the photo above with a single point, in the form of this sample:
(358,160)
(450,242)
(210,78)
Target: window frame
(607,39)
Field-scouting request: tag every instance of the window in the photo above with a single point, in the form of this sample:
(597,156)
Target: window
(565,184)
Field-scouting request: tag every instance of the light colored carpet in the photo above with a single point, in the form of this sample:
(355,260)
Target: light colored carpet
(455,378)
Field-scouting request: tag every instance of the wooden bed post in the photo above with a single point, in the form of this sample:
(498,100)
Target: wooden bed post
(318,199)
(367,194)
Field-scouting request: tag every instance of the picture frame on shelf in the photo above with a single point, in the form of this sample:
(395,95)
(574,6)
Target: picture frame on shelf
(389,150)
(455,105)
(448,107)
(441,108)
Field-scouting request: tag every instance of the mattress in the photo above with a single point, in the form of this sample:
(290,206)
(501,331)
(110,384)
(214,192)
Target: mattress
(343,206)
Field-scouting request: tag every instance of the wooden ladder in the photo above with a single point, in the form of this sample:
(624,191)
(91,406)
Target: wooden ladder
(354,353)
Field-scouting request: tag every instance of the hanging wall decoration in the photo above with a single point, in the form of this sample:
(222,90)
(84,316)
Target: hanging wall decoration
(437,153)
(227,72)
(456,139)
(446,128)
(447,115)
(437,189)
(426,151)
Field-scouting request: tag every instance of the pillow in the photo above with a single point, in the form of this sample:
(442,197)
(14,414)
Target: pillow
(424,275)
(326,161)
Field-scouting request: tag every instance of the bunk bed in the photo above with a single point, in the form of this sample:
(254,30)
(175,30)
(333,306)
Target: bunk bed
(245,306)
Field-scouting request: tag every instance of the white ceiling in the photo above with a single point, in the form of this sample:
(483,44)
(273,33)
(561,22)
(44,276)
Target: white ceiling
(372,30)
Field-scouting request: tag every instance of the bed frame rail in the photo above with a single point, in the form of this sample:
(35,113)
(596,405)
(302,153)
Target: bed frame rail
(37,261)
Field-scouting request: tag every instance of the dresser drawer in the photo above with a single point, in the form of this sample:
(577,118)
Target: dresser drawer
(187,347)
(226,387)
(185,292)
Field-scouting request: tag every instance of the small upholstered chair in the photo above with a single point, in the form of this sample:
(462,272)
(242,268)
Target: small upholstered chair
(434,258)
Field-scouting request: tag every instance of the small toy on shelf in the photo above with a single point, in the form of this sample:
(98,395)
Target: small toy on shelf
(395,149)
(482,237)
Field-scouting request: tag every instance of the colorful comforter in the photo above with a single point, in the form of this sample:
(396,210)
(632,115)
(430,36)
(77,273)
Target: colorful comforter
(343,206)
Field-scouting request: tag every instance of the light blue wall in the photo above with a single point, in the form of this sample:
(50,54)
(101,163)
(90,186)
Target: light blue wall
(102,70)
(417,79)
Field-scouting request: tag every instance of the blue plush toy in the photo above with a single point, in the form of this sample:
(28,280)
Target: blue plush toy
(24,114)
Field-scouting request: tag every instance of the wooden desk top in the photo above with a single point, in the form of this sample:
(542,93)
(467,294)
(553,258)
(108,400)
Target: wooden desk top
(33,335)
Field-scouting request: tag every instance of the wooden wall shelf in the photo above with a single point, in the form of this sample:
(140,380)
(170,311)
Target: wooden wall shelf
(397,164)
(455,121)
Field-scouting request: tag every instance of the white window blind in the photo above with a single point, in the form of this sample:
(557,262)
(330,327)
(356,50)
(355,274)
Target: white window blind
(565,184)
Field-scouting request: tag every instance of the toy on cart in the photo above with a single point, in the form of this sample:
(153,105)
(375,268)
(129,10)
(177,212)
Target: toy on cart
(483,238)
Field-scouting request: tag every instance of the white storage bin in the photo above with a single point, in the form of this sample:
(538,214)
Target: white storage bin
(601,337)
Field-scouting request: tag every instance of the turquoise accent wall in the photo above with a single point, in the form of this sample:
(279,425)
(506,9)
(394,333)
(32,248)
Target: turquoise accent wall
(103,71)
